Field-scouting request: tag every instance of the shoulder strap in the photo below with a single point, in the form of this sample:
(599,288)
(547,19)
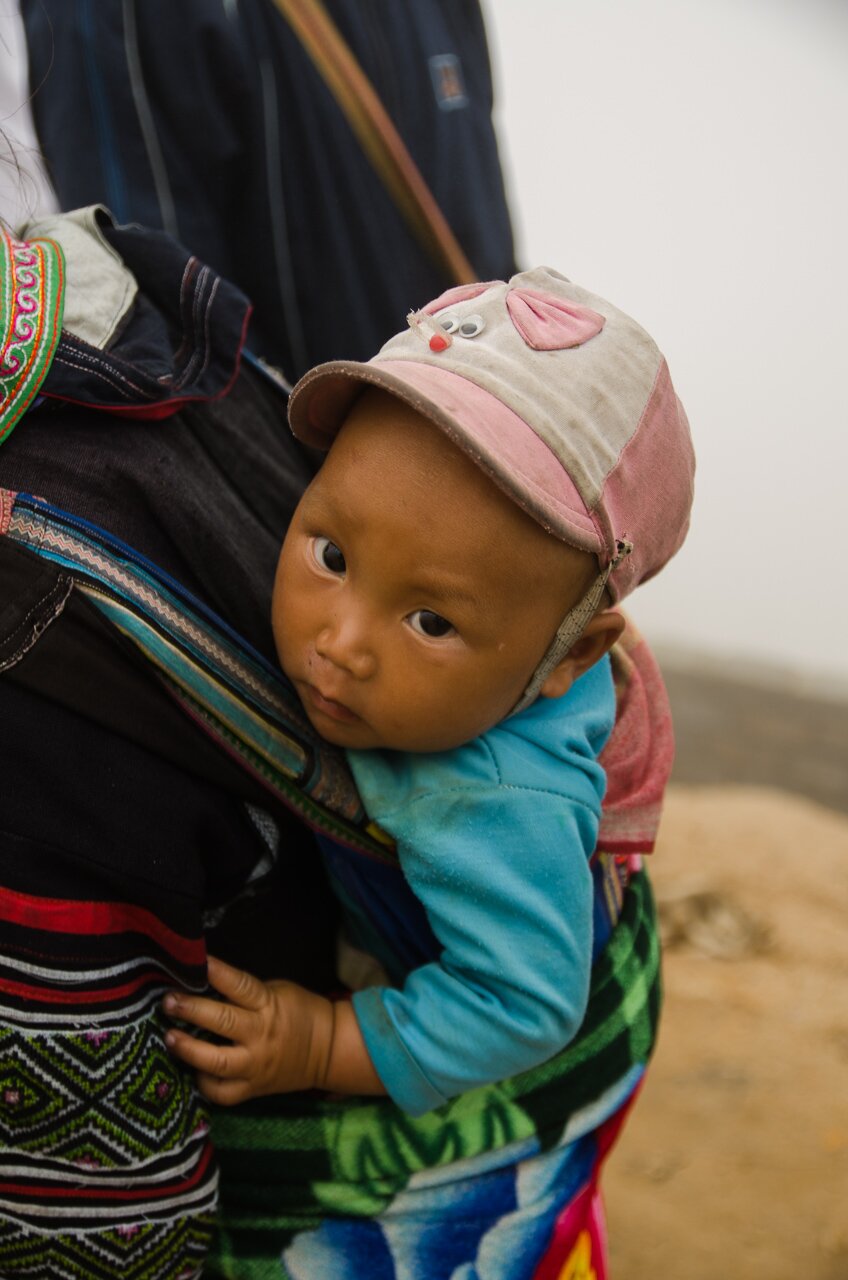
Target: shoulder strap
(228,690)
(359,103)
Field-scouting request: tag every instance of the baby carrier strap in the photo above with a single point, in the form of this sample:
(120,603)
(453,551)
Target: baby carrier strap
(238,700)
(95,672)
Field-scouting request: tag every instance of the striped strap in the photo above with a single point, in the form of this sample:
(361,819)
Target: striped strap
(230,691)
(358,101)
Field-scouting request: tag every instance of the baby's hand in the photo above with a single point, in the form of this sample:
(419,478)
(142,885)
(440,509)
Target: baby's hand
(281,1036)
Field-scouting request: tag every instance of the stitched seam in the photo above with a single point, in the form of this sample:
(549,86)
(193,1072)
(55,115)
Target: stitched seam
(207,325)
(188,271)
(39,605)
(98,373)
(196,304)
(39,628)
(201,330)
(493,759)
(99,367)
(101,362)
(474,791)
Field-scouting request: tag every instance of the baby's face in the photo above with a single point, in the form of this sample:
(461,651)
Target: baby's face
(413,600)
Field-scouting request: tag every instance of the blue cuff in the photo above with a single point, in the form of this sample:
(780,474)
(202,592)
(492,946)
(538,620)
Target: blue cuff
(405,1082)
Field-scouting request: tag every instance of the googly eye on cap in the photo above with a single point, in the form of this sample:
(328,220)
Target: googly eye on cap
(467,328)
(471,326)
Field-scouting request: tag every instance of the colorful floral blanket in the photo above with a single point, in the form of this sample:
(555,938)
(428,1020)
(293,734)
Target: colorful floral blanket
(500,1183)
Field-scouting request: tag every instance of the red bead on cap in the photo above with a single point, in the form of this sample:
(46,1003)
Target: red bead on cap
(439,342)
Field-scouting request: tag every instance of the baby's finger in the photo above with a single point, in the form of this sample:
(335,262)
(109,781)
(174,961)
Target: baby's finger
(224,1061)
(226,1093)
(237,985)
(209,1015)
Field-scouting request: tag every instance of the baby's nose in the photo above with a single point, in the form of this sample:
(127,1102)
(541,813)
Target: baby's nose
(345,643)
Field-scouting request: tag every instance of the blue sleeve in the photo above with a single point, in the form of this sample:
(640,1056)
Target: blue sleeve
(501,867)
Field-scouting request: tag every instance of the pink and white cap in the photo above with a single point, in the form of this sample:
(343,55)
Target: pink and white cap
(557,395)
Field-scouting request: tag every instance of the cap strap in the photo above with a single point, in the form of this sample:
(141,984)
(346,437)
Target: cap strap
(570,630)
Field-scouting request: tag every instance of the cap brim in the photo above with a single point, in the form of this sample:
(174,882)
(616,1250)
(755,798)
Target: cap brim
(481,425)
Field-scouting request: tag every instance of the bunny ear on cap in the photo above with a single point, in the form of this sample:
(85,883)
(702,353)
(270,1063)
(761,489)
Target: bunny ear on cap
(32,290)
(547,323)
(460,293)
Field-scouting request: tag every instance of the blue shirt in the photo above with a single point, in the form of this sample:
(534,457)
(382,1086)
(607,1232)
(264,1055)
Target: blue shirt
(494,839)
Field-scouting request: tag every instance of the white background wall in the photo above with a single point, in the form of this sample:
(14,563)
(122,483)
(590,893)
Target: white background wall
(688,159)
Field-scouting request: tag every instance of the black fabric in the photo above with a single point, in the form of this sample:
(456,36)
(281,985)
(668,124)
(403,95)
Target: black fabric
(109,793)
(94,755)
(76,658)
(209,119)
(155,835)
(206,494)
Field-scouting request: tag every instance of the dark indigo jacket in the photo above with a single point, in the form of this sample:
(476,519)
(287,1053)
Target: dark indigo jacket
(207,118)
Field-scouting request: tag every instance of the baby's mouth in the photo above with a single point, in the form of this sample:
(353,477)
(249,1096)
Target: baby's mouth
(328,706)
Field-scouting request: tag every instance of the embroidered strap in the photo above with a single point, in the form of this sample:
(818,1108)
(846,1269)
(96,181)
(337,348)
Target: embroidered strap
(376,134)
(32,290)
(230,691)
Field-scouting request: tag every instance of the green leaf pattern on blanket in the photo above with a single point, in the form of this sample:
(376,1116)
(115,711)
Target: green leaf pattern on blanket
(375,1150)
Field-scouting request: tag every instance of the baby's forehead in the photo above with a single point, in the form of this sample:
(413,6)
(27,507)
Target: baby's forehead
(391,464)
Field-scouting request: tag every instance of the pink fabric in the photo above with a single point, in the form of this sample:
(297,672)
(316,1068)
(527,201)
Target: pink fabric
(460,293)
(639,754)
(548,324)
(501,443)
(655,474)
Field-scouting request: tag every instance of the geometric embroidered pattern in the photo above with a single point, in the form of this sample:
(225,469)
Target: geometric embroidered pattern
(96,1100)
(106,1164)
(106,1167)
(138,1251)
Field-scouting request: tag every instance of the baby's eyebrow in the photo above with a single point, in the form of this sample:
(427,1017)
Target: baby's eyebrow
(442,589)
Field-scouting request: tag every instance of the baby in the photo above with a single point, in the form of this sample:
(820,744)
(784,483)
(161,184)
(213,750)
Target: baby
(500,475)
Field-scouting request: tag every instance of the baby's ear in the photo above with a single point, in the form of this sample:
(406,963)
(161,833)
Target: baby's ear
(598,638)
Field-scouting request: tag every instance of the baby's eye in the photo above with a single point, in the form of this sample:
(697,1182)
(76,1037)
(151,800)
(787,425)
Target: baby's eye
(328,556)
(430,624)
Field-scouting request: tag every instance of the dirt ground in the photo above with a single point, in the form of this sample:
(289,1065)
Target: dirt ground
(734,1165)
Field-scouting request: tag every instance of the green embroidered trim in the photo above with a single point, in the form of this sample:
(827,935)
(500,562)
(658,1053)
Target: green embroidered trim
(32,293)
